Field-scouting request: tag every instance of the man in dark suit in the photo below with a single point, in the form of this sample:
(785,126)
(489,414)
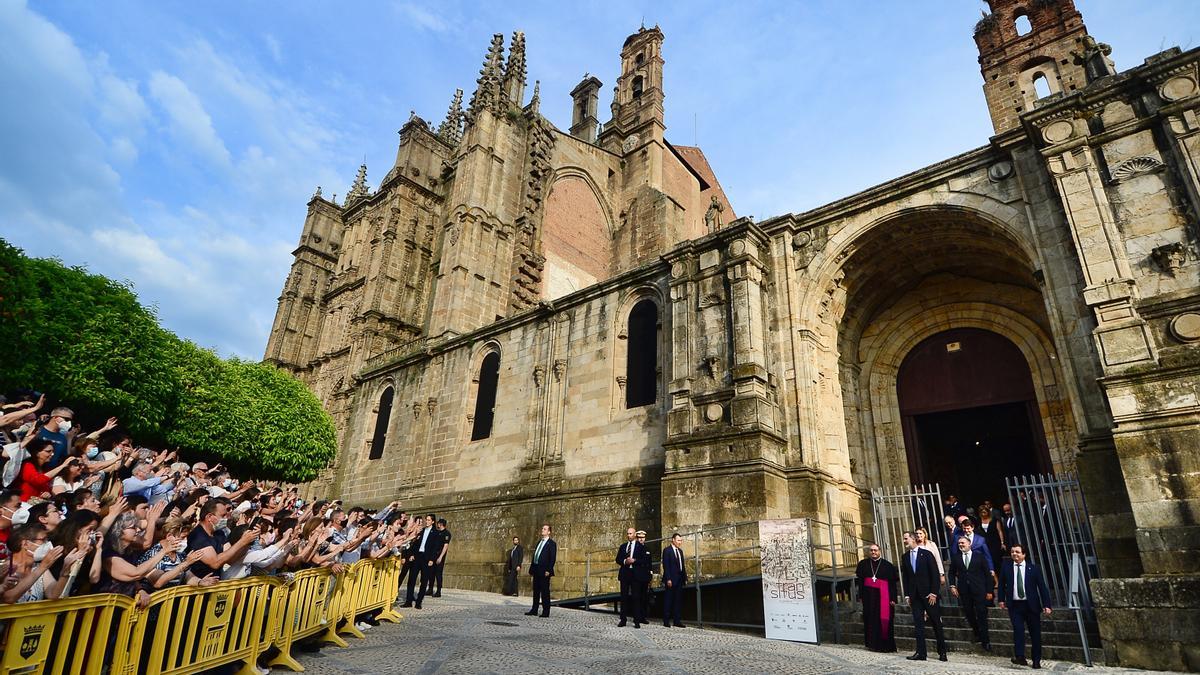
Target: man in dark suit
(633,561)
(439,563)
(1023,591)
(1012,528)
(541,569)
(971,583)
(953,508)
(425,549)
(674,579)
(922,586)
(512,567)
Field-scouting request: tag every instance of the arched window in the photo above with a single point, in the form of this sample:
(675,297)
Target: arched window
(1022,24)
(382,418)
(641,362)
(485,397)
(637,87)
(1041,85)
(641,58)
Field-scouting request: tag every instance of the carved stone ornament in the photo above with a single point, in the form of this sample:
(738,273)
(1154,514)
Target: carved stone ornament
(417,408)
(1177,88)
(432,405)
(713,412)
(1059,131)
(1169,257)
(630,143)
(1186,327)
(454,233)
(539,374)
(560,369)
(1135,166)
(1000,171)
(621,380)
(711,365)
(677,270)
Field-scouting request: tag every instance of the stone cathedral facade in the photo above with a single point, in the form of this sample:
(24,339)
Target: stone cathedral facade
(526,324)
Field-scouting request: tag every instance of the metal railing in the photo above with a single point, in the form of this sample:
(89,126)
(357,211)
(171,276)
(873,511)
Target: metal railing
(1052,523)
(901,509)
(606,569)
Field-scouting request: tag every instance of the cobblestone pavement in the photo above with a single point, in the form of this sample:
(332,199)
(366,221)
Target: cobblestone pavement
(472,632)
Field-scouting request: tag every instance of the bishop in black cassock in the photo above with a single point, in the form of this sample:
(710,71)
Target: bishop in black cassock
(878,589)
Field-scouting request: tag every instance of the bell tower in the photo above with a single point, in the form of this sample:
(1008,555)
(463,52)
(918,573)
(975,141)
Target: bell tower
(637,125)
(1028,50)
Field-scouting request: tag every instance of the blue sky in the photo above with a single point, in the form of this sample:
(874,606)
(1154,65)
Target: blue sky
(175,144)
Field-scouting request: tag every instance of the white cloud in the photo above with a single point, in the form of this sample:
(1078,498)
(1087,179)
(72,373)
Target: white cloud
(422,17)
(189,121)
(123,150)
(273,46)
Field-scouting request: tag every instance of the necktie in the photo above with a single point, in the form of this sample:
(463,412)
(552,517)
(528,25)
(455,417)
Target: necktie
(679,557)
(629,553)
(424,536)
(914,560)
(1020,582)
(538,552)
(967,560)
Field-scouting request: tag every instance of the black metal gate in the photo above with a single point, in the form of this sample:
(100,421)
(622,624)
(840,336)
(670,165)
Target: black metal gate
(1052,523)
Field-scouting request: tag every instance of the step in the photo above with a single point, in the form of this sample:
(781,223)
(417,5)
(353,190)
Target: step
(1049,627)
(996,636)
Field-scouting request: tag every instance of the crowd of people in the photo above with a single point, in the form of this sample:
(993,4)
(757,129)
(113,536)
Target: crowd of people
(89,511)
(986,565)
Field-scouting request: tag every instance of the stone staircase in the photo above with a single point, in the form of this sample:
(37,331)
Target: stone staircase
(1060,634)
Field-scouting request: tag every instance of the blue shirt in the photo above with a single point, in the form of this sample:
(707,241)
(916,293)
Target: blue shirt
(59,441)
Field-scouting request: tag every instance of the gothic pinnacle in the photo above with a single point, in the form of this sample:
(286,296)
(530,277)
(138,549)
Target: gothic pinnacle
(488,89)
(451,128)
(536,101)
(359,190)
(514,70)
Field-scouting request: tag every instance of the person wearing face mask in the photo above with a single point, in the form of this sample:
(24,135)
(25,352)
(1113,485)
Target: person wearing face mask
(56,431)
(261,552)
(9,503)
(209,537)
(32,557)
(144,483)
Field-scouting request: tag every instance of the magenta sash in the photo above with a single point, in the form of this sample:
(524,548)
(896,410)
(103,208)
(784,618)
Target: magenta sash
(885,604)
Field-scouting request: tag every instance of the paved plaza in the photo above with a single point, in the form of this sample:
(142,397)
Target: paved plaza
(472,632)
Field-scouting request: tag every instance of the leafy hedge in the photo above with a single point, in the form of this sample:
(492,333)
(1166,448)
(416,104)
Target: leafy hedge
(87,341)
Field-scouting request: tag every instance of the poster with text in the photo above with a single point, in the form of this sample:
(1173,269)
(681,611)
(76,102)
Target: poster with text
(789,609)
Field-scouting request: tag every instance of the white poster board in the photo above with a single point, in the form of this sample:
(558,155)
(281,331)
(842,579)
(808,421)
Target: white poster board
(789,609)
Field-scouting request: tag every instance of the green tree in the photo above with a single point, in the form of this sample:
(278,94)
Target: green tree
(89,343)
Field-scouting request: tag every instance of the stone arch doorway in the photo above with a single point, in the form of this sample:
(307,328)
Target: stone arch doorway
(969,414)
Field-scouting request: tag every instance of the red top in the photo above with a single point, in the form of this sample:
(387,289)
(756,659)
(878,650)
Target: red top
(33,482)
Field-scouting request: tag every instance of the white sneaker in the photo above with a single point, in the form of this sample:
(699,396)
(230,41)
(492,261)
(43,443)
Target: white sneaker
(363,626)
(262,671)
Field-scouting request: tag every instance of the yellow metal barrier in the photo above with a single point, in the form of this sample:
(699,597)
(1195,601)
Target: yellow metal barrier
(191,629)
(76,635)
(377,586)
(305,613)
